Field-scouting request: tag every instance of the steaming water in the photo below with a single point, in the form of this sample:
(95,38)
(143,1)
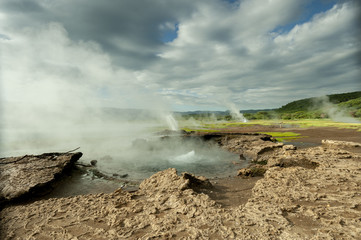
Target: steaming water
(189,157)
(146,157)
(239,117)
(235,113)
(172,123)
(120,147)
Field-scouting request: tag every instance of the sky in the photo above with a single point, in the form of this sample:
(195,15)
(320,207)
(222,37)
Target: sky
(183,55)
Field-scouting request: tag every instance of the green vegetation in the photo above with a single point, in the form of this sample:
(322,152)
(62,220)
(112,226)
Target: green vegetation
(354,106)
(220,125)
(302,113)
(283,136)
(323,123)
(345,104)
(316,102)
(200,126)
(188,129)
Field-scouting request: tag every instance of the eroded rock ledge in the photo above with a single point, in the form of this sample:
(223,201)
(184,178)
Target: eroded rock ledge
(31,174)
(291,202)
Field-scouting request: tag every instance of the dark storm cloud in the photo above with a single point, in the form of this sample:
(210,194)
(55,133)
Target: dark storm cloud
(128,30)
(23,6)
(255,53)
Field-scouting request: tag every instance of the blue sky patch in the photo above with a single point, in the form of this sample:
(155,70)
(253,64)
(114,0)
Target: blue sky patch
(312,8)
(169,35)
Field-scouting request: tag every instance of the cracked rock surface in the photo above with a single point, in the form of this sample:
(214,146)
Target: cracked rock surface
(312,193)
(30,174)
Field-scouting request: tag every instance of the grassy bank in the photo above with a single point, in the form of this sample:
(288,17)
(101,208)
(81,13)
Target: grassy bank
(200,126)
(283,136)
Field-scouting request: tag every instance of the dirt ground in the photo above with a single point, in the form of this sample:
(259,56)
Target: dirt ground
(232,191)
(306,193)
(227,190)
(309,135)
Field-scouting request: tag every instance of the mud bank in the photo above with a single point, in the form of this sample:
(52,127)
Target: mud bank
(312,193)
(22,177)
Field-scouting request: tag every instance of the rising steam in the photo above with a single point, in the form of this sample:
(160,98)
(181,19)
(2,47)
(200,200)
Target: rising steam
(334,112)
(172,123)
(235,113)
(62,94)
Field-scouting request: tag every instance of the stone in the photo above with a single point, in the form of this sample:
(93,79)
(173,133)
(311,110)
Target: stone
(313,194)
(32,174)
(289,147)
(336,144)
(254,171)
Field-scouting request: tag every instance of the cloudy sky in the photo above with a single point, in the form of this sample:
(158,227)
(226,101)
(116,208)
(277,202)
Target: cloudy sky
(179,54)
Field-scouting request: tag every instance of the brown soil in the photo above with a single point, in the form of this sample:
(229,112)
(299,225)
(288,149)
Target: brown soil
(232,191)
(308,193)
(309,135)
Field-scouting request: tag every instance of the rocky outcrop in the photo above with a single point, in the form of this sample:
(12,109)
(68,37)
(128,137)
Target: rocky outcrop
(318,194)
(309,193)
(247,145)
(31,174)
(338,144)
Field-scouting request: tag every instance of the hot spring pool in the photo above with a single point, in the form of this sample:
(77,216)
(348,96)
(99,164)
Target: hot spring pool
(144,157)
(187,154)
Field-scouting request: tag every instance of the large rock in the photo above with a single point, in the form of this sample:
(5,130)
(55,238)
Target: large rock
(250,146)
(340,144)
(168,180)
(31,174)
(310,193)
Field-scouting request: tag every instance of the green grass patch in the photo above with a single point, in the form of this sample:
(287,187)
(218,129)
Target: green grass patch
(323,123)
(283,136)
(302,123)
(222,125)
(199,130)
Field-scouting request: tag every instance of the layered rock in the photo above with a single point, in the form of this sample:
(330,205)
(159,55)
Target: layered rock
(337,144)
(31,174)
(305,194)
(247,145)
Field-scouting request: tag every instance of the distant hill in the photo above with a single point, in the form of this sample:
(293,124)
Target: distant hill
(227,112)
(314,103)
(343,104)
(202,113)
(330,106)
(353,105)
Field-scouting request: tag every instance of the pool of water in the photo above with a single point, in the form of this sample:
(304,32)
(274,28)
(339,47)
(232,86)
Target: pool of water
(148,156)
(127,167)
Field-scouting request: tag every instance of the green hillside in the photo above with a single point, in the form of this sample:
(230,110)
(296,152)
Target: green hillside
(347,104)
(315,103)
(353,106)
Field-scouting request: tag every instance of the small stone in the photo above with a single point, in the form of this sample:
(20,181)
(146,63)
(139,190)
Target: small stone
(93,162)
(289,147)
(120,176)
(244,172)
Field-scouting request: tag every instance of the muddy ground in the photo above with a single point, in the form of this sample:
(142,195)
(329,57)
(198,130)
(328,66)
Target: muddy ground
(309,134)
(306,193)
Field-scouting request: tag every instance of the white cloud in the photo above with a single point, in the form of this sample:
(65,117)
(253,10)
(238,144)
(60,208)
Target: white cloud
(44,67)
(54,90)
(61,58)
(106,53)
(234,49)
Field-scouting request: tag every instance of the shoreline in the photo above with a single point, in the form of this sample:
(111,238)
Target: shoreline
(305,192)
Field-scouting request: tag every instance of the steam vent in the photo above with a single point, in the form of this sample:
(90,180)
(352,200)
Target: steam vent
(284,193)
